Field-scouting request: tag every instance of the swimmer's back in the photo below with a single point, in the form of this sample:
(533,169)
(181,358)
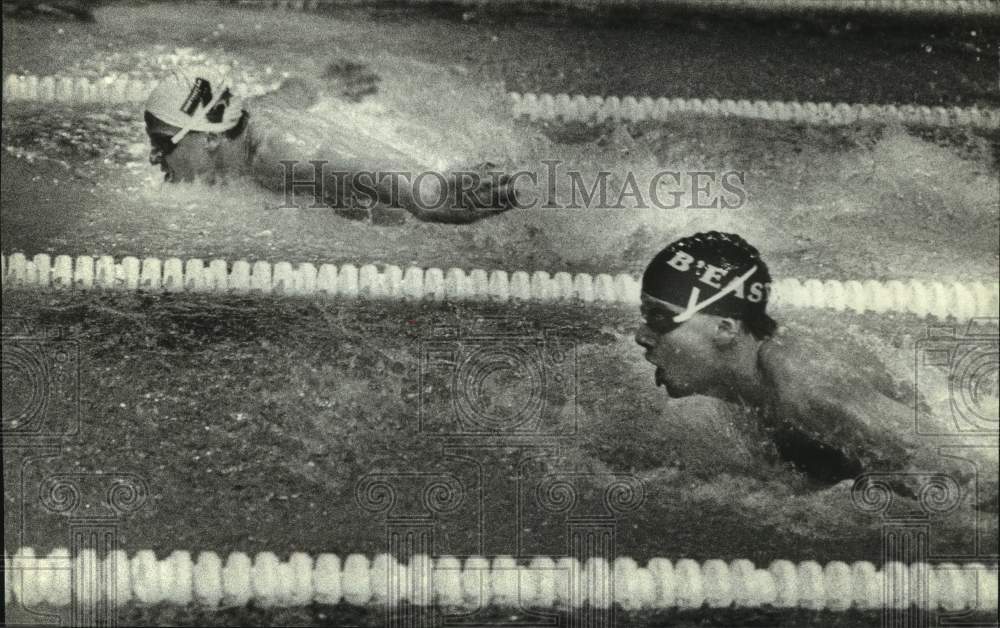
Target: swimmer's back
(284,126)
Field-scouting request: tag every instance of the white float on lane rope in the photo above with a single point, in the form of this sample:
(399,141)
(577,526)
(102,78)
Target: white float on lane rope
(269,581)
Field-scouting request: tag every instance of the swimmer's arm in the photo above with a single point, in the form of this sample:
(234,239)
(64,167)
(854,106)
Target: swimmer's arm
(294,94)
(347,81)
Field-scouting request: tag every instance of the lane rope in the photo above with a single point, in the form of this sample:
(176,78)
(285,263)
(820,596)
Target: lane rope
(953,8)
(61,579)
(82,90)
(580,108)
(959,300)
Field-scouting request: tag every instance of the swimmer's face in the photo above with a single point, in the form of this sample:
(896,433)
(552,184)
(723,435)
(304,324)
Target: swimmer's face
(189,159)
(686,356)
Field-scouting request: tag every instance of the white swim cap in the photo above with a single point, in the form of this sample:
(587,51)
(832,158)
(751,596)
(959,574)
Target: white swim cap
(195,101)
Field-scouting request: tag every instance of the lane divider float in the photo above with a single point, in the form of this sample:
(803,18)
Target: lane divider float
(61,579)
(580,108)
(81,90)
(958,300)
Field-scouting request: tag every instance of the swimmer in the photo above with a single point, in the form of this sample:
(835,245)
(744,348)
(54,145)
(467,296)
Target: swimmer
(707,332)
(200,130)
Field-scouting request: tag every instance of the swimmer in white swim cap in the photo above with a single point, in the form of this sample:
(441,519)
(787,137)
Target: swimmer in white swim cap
(199,129)
(193,121)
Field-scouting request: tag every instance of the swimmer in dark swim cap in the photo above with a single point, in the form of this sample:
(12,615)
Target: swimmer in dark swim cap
(199,129)
(704,299)
(707,332)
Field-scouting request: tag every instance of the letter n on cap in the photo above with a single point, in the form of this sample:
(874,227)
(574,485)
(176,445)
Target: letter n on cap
(200,94)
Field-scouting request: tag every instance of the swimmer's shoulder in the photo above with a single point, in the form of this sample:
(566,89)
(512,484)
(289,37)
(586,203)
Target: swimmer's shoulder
(802,372)
(276,119)
(810,379)
(826,361)
(779,366)
(780,358)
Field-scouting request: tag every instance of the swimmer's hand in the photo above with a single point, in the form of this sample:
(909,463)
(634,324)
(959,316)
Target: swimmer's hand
(294,95)
(470,196)
(298,93)
(349,80)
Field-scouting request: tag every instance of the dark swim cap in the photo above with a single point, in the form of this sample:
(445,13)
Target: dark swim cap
(715,273)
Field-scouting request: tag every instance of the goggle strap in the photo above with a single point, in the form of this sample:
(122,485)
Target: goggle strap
(666,304)
(178,136)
